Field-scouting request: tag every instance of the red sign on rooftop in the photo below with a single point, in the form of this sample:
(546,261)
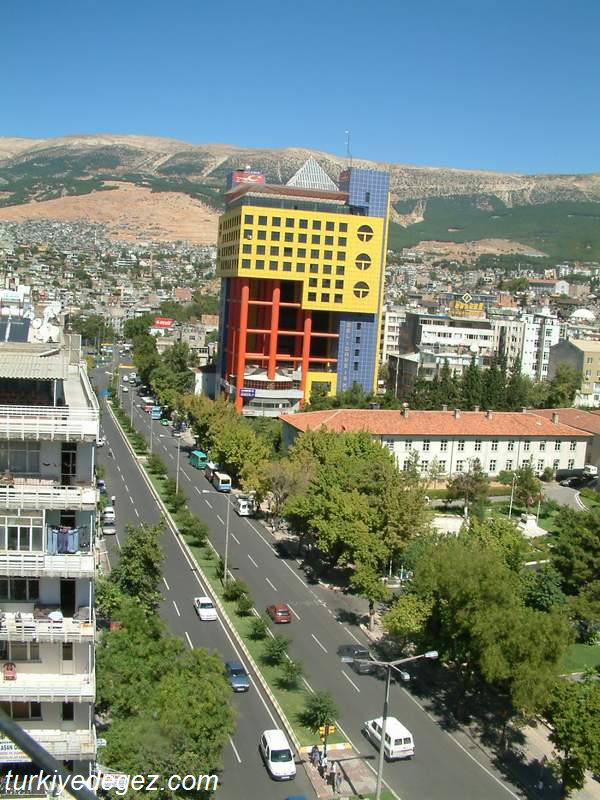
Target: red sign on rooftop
(163,322)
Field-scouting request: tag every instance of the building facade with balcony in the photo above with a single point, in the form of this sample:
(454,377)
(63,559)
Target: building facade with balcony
(301,270)
(49,424)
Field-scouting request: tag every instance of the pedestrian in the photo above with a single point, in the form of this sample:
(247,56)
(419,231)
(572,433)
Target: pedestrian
(323,765)
(315,756)
(112,500)
(338,779)
(331,776)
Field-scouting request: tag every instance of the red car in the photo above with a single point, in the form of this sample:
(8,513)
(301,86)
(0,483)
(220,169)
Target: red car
(279,613)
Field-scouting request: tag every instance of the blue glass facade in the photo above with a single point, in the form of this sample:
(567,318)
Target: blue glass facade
(357,349)
(223,320)
(367,190)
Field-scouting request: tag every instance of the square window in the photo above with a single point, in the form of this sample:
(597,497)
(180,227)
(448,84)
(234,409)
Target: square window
(248,219)
(444,445)
(338,298)
(494,444)
(275,236)
(340,270)
(274,251)
(315,238)
(478,444)
(312,296)
(511,446)
(303,223)
(492,466)
(461,445)
(314,267)
(272,265)
(341,256)
(328,255)
(343,227)
(542,447)
(68,712)
(262,220)
(301,252)
(326,283)
(67,651)
(287,251)
(287,266)
(261,234)
(314,253)
(260,264)
(357,339)
(358,326)
(302,238)
(245,262)
(327,269)
(247,234)
(289,223)
(289,237)
(276,221)
(246,248)
(426,443)
(556,464)
(339,284)
(300,267)
(342,241)
(509,464)
(260,249)
(325,297)
(312,281)
(557,444)
(356,353)
(329,226)
(316,225)
(526,445)
(573,446)
(356,366)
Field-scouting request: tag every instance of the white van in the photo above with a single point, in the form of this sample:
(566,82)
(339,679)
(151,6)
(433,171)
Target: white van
(244,506)
(398,739)
(277,755)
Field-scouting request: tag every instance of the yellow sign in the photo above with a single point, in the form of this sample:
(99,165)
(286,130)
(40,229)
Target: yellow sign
(330,729)
(459,308)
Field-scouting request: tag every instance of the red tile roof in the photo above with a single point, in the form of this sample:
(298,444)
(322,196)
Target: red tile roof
(432,423)
(584,420)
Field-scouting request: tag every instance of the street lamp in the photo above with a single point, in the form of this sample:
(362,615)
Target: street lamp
(512,494)
(226,558)
(177,469)
(389,666)
(131,408)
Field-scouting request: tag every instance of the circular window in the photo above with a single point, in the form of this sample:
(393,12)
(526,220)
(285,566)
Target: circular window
(361,289)
(365,233)
(363,261)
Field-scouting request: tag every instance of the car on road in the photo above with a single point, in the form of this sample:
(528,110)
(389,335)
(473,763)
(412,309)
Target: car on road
(100,441)
(101,486)
(109,529)
(277,755)
(236,674)
(357,655)
(205,609)
(124,388)
(399,741)
(279,613)
(108,515)
(164,421)
(148,407)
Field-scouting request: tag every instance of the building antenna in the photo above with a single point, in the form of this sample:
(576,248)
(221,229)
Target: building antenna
(349,147)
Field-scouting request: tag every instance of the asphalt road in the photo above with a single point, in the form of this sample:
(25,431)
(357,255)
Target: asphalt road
(243,774)
(447,765)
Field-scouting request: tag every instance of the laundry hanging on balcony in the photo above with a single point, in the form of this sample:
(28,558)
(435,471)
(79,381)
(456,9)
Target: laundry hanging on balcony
(62,540)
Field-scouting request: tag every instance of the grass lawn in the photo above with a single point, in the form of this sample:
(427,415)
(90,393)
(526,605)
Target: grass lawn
(291,700)
(385,795)
(547,517)
(590,498)
(581,656)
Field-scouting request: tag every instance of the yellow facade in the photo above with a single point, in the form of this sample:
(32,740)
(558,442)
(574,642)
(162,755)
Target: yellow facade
(337,257)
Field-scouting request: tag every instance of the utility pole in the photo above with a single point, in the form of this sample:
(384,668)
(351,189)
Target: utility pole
(177,470)
(226,559)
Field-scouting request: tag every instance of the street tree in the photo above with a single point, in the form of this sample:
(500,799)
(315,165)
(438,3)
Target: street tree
(528,487)
(138,572)
(405,620)
(320,709)
(368,583)
(503,536)
(471,486)
(576,550)
(471,386)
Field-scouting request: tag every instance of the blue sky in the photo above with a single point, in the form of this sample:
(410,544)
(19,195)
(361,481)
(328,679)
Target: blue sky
(495,84)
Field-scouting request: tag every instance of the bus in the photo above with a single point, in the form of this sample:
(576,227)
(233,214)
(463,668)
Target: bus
(221,481)
(156,412)
(198,459)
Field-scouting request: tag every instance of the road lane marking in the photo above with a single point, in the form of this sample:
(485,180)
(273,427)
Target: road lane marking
(349,679)
(187,636)
(271,585)
(234,748)
(118,542)
(308,686)
(349,632)
(251,559)
(137,513)
(233,536)
(208,503)
(318,642)
(166,584)
(176,609)
(294,613)
(197,489)
(171,455)
(185,475)
(221,520)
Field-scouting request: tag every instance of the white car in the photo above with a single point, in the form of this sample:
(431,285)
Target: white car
(277,755)
(109,516)
(125,388)
(205,609)
(100,442)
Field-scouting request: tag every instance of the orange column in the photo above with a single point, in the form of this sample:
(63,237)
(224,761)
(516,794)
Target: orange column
(306,348)
(276,297)
(241,343)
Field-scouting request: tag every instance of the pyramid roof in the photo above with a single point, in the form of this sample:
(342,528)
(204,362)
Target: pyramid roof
(312,176)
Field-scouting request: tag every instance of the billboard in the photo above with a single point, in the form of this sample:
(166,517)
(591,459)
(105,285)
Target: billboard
(246,392)
(163,322)
(244,176)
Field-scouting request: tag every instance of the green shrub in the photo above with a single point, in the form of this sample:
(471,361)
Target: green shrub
(292,671)
(244,605)
(258,628)
(276,649)
(156,465)
(235,589)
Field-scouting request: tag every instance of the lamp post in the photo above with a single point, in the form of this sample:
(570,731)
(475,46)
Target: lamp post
(177,469)
(226,558)
(131,408)
(389,666)
(512,495)
(151,431)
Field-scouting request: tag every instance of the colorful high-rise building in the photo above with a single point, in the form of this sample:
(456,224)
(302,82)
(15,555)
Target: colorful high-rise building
(302,268)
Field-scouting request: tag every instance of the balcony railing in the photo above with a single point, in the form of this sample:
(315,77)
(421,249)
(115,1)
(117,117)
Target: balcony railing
(24,627)
(37,565)
(48,422)
(61,744)
(48,687)
(35,495)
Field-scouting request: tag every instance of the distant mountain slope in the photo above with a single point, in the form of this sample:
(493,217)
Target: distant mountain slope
(557,214)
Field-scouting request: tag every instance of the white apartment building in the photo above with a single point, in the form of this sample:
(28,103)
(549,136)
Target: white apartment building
(392,319)
(454,439)
(528,337)
(48,428)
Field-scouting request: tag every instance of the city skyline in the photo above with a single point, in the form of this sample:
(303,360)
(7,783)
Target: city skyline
(504,89)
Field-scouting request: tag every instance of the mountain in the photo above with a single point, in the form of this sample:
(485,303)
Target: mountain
(553,214)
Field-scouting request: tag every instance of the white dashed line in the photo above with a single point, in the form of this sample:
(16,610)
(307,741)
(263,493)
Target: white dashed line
(197,489)
(176,609)
(252,560)
(271,585)
(221,520)
(185,475)
(118,542)
(294,613)
(349,632)
(137,513)
(350,681)
(166,584)
(234,748)
(187,636)
(208,503)
(233,536)
(318,642)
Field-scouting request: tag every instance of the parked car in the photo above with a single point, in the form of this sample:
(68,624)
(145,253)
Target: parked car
(164,421)
(205,609)
(236,674)
(100,441)
(109,529)
(277,755)
(108,515)
(355,655)
(125,389)
(101,486)
(279,613)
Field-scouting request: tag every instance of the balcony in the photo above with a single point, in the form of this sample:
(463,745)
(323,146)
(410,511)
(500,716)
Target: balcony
(60,423)
(40,565)
(61,744)
(26,627)
(48,687)
(41,493)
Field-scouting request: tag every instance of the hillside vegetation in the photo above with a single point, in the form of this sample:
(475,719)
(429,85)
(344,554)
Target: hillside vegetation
(557,214)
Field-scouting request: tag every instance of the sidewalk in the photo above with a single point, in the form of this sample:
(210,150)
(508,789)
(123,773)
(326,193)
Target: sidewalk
(357,778)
